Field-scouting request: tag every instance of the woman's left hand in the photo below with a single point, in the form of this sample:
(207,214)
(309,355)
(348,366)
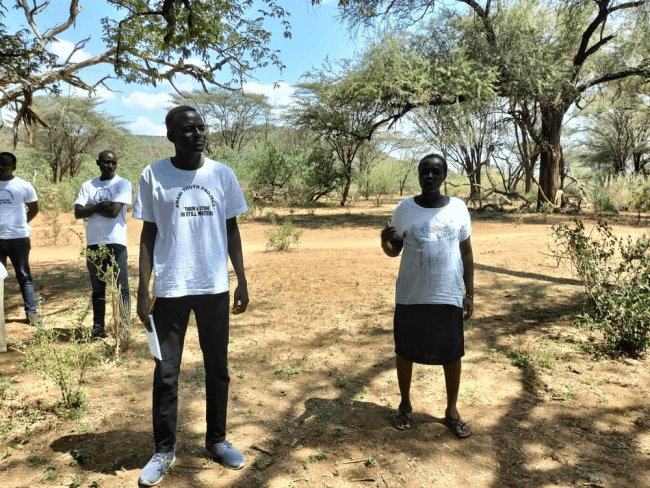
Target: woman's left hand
(468,307)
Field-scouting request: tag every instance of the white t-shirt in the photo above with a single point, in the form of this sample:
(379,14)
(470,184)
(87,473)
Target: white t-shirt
(14,194)
(101,229)
(431,270)
(190,209)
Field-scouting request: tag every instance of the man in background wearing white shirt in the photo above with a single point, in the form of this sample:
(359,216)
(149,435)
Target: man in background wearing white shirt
(18,206)
(102,203)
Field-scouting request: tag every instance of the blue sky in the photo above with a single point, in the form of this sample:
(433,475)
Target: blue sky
(315,34)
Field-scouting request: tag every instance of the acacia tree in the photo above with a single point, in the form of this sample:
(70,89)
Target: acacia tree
(618,135)
(233,116)
(74,130)
(148,42)
(344,123)
(462,135)
(550,53)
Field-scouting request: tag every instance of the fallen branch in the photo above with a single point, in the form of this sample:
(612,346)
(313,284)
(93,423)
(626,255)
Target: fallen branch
(261,449)
(362,460)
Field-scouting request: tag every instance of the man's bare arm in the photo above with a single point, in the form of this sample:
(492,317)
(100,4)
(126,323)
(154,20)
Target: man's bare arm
(32,210)
(240,297)
(109,210)
(147,242)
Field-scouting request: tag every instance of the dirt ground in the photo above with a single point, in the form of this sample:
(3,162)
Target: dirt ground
(313,385)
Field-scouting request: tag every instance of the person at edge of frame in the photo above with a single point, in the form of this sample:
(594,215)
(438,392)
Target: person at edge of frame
(434,288)
(18,207)
(102,202)
(189,206)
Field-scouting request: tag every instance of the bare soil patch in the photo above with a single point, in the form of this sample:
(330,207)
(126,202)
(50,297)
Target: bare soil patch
(313,384)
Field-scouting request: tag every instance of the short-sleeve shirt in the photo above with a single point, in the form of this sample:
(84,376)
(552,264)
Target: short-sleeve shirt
(431,270)
(100,229)
(14,195)
(190,209)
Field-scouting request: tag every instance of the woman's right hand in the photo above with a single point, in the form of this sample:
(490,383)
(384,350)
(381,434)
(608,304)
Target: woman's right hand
(388,233)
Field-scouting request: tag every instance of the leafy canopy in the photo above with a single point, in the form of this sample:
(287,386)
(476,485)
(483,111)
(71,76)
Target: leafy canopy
(147,41)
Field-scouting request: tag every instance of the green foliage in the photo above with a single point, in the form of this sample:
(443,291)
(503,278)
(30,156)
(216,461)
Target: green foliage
(76,130)
(64,364)
(51,473)
(370,462)
(316,456)
(616,276)
(76,480)
(604,202)
(257,479)
(380,182)
(80,453)
(272,169)
(321,174)
(283,237)
(107,271)
(5,383)
(146,43)
(234,118)
(640,199)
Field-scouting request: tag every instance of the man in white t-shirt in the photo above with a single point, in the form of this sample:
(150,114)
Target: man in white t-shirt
(189,205)
(18,206)
(102,203)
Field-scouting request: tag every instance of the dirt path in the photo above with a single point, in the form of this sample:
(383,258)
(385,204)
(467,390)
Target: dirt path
(313,385)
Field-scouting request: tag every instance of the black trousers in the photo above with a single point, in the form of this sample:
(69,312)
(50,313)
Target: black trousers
(17,250)
(171,316)
(99,287)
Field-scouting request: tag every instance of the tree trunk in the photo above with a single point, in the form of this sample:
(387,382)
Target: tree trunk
(346,189)
(550,160)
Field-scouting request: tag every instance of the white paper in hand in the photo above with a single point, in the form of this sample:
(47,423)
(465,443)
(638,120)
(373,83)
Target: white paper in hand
(152,337)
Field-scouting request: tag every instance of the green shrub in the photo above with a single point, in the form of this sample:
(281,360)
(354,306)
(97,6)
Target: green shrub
(604,202)
(283,237)
(616,276)
(107,271)
(640,199)
(64,364)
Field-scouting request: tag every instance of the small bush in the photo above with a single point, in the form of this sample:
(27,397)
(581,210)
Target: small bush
(283,237)
(616,276)
(65,365)
(107,271)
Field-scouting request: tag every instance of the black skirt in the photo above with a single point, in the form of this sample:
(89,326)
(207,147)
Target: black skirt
(429,334)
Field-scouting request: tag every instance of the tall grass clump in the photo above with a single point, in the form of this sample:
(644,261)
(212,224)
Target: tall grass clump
(616,277)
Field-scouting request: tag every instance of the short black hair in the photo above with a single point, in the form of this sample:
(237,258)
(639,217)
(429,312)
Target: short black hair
(428,157)
(107,151)
(8,155)
(169,119)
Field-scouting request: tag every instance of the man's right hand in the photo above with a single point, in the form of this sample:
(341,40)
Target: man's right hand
(144,307)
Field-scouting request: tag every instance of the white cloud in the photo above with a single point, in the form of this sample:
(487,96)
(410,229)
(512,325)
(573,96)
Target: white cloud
(62,49)
(146,127)
(279,96)
(147,101)
(101,93)
(183,83)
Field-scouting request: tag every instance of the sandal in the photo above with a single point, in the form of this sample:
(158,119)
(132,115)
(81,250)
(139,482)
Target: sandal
(402,419)
(459,428)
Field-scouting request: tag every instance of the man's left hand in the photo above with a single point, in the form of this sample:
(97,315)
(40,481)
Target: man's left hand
(468,307)
(240,301)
